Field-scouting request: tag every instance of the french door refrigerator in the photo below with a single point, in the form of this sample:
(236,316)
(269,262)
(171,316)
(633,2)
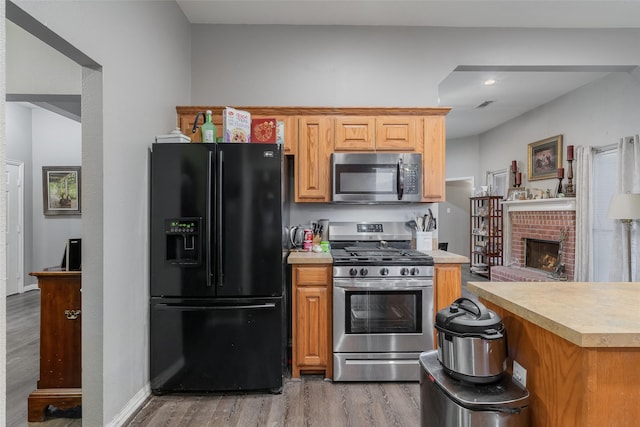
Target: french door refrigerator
(216,288)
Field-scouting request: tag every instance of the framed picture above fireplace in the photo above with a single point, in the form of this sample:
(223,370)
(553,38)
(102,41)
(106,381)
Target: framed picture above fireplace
(545,157)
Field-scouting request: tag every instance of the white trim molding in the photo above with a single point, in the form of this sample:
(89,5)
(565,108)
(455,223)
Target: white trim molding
(557,204)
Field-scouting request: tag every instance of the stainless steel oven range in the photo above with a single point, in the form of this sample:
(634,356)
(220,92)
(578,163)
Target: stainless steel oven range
(382,302)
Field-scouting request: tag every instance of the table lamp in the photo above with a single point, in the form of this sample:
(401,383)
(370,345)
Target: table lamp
(626,207)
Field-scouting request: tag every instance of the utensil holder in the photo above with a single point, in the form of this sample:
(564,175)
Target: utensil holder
(424,240)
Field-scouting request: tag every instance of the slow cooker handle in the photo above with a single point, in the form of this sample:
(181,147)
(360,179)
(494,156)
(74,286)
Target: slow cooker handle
(482,310)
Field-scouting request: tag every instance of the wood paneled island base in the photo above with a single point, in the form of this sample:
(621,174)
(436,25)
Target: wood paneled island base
(582,363)
(60,380)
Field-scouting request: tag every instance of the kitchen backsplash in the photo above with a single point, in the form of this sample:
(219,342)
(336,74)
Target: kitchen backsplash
(304,213)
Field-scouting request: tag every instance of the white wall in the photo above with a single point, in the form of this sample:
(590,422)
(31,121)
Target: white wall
(26,58)
(18,145)
(144,50)
(56,141)
(596,114)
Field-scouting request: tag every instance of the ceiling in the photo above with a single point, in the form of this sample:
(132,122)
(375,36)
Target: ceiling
(517,89)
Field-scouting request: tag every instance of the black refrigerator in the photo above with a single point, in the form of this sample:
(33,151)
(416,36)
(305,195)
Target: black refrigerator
(216,273)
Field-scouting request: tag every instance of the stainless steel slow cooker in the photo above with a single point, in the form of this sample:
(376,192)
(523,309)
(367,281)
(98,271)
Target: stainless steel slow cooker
(472,343)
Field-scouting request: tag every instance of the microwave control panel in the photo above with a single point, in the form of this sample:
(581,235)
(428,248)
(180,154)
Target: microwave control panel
(411,184)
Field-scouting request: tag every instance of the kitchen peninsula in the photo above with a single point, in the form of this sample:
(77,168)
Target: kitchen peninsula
(580,345)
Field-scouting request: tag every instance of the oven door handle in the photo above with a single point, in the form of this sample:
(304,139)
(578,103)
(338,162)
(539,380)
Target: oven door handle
(349,285)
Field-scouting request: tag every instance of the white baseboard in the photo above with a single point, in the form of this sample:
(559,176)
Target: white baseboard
(131,407)
(28,288)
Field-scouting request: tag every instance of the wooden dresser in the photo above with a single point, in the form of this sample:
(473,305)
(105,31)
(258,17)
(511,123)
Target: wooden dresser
(60,343)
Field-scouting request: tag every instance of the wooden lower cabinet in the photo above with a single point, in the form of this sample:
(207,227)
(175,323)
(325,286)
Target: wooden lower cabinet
(60,379)
(447,287)
(311,312)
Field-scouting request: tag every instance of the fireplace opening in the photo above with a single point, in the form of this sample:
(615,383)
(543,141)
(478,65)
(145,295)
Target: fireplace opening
(541,254)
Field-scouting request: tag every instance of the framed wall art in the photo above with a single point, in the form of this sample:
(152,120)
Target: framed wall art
(61,190)
(545,157)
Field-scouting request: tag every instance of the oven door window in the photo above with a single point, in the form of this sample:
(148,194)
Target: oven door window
(366,179)
(383,312)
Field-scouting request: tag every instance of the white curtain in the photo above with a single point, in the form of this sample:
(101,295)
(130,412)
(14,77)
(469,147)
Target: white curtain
(584,224)
(628,181)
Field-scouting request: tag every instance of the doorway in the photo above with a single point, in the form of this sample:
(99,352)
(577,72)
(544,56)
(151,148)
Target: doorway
(15,227)
(453,215)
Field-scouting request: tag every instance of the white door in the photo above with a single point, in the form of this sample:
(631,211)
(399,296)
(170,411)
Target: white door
(14,241)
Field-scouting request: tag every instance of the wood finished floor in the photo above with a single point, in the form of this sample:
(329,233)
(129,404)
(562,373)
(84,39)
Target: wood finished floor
(307,402)
(310,401)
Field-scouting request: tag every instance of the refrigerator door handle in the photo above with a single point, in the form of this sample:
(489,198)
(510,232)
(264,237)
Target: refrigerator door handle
(179,307)
(219,218)
(208,223)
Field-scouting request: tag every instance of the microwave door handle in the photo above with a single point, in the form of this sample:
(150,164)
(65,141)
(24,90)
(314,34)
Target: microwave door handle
(400,179)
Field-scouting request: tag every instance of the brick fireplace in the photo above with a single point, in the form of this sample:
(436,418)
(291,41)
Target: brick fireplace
(550,220)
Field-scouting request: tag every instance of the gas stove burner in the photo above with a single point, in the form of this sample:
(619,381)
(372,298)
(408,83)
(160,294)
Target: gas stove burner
(377,249)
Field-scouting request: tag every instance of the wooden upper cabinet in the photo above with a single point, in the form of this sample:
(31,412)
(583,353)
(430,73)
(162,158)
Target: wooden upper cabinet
(433,159)
(313,161)
(385,133)
(397,133)
(186,126)
(355,133)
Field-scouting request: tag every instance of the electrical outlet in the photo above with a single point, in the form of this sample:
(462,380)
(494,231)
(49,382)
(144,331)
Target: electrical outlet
(519,373)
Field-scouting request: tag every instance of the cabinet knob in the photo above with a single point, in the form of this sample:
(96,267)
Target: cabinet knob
(72,314)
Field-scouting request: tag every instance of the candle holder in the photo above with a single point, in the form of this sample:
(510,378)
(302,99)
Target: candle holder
(571,191)
(559,190)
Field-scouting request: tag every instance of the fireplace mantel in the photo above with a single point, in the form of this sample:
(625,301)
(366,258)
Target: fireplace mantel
(557,204)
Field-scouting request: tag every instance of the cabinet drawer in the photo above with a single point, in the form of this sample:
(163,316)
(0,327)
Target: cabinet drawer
(312,275)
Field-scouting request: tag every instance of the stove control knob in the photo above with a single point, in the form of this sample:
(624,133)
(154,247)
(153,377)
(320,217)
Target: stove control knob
(353,272)
(415,271)
(364,272)
(384,271)
(404,271)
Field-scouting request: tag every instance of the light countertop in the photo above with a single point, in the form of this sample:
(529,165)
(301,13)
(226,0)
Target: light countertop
(588,314)
(444,257)
(306,257)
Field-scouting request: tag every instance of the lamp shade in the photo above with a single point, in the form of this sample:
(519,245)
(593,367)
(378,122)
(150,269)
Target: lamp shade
(625,206)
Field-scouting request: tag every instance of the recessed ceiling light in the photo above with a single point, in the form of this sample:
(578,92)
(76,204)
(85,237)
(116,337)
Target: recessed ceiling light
(489,82)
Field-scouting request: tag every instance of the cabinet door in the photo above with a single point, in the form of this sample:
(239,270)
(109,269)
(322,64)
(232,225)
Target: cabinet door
(290,132)
(312,166)
(447,287)
(311,326)
(355,133)
(60,332)
(186,126)
(433,159)
(396,133)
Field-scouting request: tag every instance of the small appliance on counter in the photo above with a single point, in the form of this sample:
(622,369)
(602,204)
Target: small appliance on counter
(463,382)
(471,342)
(446,401)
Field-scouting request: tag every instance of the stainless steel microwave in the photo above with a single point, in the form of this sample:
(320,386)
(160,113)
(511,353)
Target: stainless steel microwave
(376,177)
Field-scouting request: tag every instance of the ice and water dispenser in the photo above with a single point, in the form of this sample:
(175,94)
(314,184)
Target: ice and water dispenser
(183,241)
